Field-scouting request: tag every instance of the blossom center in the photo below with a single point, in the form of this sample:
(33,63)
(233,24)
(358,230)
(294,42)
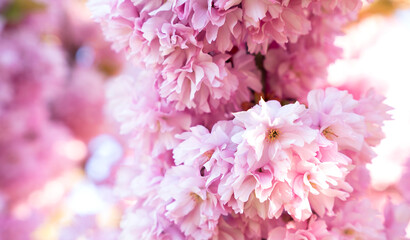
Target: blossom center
(195,197)
(329,134)
(314,185)
(271,135)
(349,232)
(208,154)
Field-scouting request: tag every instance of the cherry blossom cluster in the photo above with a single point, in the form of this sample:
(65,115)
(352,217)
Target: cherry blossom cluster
(272,171)
(236,132)
(197,47)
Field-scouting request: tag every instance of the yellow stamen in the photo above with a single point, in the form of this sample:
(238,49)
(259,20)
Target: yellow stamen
(271,135)
(349,232)
(329,134)
(314,185)
(196,197)
(208,154)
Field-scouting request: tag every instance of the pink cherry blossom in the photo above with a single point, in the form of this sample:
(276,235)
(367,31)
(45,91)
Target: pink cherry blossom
(333,114)
(318,182)
(139,110)
(189,203)
(375,112)
(270,128)
(263,158)
(210,152)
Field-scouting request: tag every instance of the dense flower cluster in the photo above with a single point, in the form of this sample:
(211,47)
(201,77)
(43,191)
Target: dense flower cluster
(268,162)
(236,132)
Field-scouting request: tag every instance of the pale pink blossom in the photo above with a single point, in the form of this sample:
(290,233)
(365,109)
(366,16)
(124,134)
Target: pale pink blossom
(189,204)
(117,20)
(196,81)
(143,116)
(268,22)
(206,83)
(141,183)
(317,182)
(270,134)
(349,122)
(210,152)
(332,112)
(375,112)
(270,128)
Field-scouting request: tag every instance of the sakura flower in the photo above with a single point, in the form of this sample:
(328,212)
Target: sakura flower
(141,183)
(160,37)
(375,112)
(270,134)
(143,116)
(116,19)
(359,129)
(189,204)
(302,66)
(257,228)
(200,81)
(318,181)
(210,152)
(333,114)
(221,25)
(269,22)
(270,128)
